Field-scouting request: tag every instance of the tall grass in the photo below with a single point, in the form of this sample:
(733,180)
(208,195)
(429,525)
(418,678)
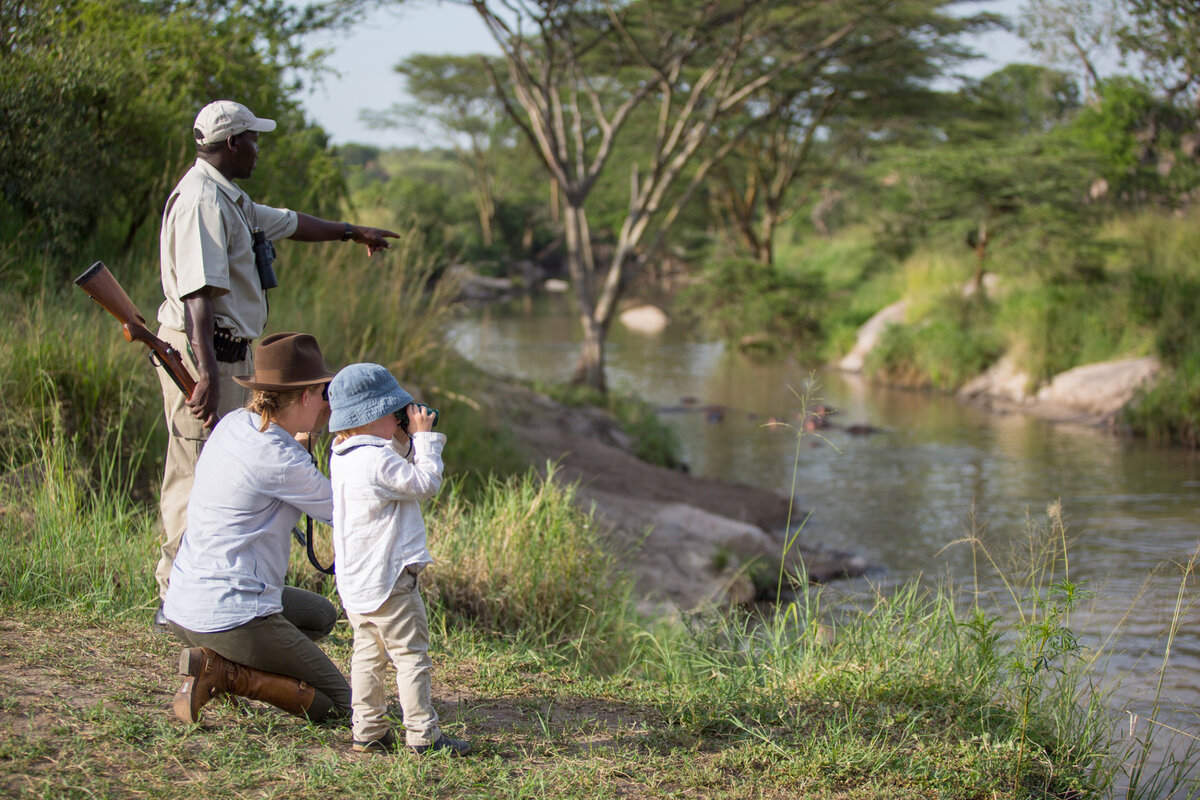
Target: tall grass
(71,533)
(522,561)
(66,373)
(387,309)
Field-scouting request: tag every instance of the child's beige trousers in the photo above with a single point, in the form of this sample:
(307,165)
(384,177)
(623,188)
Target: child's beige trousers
(398,631)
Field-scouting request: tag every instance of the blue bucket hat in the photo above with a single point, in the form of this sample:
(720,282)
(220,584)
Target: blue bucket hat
(363,393)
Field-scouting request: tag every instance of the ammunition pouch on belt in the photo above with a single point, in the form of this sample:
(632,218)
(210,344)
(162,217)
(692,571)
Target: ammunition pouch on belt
(229,348)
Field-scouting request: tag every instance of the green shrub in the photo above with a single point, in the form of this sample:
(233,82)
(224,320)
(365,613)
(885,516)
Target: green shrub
(1052,328)
(757,307)
(1169,410)
(520,560)
(956,342)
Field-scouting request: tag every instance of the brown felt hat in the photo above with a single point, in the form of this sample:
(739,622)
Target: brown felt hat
(285,361)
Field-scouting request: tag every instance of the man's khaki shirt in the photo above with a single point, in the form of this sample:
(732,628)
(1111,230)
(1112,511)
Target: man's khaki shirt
(206,241)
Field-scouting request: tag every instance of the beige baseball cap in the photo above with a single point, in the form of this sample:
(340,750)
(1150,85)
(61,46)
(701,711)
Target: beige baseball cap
(217,121)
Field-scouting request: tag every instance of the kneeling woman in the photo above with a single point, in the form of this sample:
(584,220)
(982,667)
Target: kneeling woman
(248,634)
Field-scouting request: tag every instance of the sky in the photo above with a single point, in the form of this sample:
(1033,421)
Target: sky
(365,56)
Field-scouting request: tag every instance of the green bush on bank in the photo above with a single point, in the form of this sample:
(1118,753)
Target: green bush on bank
(520,560)
(951,345)
(653,441)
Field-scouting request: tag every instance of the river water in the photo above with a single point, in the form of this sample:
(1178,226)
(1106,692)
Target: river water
(904,494)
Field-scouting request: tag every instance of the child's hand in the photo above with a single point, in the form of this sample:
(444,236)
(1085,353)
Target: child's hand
(420,418)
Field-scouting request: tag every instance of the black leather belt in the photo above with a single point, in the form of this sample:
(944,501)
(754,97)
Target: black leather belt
(229,348)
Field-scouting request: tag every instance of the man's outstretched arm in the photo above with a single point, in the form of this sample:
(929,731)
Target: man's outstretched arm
(315,229)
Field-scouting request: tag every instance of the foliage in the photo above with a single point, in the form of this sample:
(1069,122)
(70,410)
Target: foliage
(522,561)
(954,343)
(97,98)
(1052,328)
(1138,142)
(1073,34)
(994,179)
(432,191)
(1166,33)
(456,96)
(865,90)
(1169,410)
(757,306)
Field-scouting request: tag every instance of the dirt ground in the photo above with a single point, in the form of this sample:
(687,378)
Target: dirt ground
(85,711)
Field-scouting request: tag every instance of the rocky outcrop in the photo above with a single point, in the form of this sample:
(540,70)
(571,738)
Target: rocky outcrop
(1100,390)
(690,541)
(1092,394)
(869,333)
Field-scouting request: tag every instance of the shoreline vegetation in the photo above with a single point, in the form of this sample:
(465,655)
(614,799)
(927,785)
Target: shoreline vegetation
(545,653)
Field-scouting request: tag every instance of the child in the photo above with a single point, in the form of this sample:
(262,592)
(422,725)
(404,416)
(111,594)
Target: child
(380,472)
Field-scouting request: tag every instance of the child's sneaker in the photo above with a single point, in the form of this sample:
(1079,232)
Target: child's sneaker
(457,747)
(384,744)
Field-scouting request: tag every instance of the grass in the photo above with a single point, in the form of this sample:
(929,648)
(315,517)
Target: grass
(522,561)
(541,663)
(540,659)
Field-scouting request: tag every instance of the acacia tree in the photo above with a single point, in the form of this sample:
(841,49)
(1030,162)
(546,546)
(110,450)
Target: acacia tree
(1000,167)
(578,72)
(876,82)
(1166,33)
(461,102)
(1073,34)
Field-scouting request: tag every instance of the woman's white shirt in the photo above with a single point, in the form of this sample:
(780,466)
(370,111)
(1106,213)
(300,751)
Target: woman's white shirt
(251,487)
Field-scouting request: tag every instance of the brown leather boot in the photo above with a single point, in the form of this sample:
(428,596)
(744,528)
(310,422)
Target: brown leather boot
(209,675)
(205,677)
(292,695)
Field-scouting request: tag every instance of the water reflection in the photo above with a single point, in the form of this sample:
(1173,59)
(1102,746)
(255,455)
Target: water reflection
(904,494)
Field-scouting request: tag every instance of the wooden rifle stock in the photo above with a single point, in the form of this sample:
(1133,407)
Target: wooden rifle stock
(101,286)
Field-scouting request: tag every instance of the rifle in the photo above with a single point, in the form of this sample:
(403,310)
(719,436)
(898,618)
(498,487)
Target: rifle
(101,286)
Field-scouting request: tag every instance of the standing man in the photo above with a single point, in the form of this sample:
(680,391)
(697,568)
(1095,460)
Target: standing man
(216,298)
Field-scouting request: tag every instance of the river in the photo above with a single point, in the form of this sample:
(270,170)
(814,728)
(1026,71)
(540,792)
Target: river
(904,494)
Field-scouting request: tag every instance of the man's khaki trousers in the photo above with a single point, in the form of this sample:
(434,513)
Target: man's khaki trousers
(185,436)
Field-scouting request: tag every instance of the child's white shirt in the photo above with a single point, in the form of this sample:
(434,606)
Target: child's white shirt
(378,529)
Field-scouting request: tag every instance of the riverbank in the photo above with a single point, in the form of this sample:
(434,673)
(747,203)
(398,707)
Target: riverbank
(689,716)
(690,541)
(900,701)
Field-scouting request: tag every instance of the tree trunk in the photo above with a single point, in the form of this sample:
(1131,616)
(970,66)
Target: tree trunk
(981,243)
(589,370)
